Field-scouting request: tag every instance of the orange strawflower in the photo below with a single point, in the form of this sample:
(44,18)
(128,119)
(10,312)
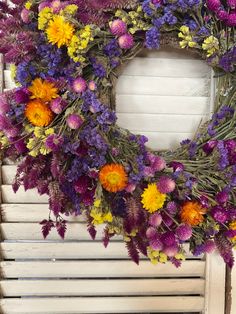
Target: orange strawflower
(192,213)
(113,177)
(44,90)
(38,113)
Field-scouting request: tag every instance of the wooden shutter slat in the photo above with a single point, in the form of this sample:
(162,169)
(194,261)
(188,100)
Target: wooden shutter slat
(102,287)
(139,85)
(103,305)
(99,269)
(66,250)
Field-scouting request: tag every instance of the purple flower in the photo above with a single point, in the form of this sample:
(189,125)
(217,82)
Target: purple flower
(156,243)
(222,197)
(126,41)
(155,220)
(213,5)
(172,207)
(54,142)
(74,121)
(4,105)
(153,38)
(209,146)
(98,69)
(177,166)
(184,232)
(112,49)
(168,238)
(166,184)
(79,85)
(118,27)
(82,184)
(22,95)
(172,250)
(219,214)
(57,105)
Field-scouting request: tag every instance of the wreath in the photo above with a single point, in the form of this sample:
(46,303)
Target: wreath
(60,123)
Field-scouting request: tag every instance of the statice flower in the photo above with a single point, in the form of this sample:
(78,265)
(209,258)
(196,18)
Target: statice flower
(223,152)
(153,38)
(26,73)
(98,69)
(112,49)
(228,60)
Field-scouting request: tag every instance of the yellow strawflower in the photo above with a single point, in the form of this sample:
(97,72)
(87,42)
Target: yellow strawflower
(152,198)
(59,32)
(70,9)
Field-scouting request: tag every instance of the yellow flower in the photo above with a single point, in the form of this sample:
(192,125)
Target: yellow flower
(59,32)
(152,198)
(152,255)
(97,203)
(180,256)
(211,45)
(79,42)
(187,38)
(28,5)
(232,226)
(99,217)
(13,70)
(43,90)
(45,15)
(70,9)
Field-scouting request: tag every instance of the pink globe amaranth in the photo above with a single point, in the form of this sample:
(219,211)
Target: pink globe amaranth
(5,123)
(148,172)
(168,238)
(151,233)
(126,41)
(79,85)
(222,15)
(184,232)
(20,146)
(130,188)
(155,220)
(56,6)
(209,246)
(57,105)
(213,5)
(230,145)
(157,163)
(166,184)
(118,27)
(92,86)
(231,20)
(231,4)
(25,15)
(44,4)
(171,250)
(156,244)
(74,121)
(11,132)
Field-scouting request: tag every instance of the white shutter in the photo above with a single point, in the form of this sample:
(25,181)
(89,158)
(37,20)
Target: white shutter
(163,95)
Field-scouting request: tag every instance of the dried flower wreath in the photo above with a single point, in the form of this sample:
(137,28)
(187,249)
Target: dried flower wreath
(60,122)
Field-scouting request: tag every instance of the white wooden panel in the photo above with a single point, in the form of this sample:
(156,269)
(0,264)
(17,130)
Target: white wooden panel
(163,140)
(9,84)
(103,305)
(32,231)
(215,285)
(233,292)
(159,123)
(29,213)
(162,104)
(165,67)
(140,85)
(99,269)
(102,287)
(22,196)
(66,250)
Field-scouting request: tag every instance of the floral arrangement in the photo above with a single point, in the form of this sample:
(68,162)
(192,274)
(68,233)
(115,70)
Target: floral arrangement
(60,123)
